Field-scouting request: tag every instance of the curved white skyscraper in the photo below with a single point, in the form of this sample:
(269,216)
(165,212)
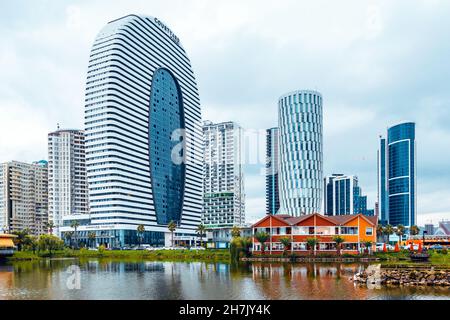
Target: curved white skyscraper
(300,162)
(141,168)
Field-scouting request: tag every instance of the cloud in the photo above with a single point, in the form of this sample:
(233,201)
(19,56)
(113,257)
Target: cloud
(374,62)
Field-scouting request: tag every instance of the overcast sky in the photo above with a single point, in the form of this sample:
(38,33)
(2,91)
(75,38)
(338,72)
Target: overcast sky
(375,63)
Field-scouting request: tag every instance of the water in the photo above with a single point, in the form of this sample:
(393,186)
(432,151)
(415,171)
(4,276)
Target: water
(98,279)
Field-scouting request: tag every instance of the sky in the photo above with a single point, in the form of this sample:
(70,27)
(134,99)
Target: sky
(375,62)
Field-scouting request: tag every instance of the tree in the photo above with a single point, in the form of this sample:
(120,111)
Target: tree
(367,245)
(380,231)
(312,243)
(49,243)
(31,243)
(400,231)
(75,224)
(91,237)
(286,242)
(235,232)
(201,230)
(388,230)
(414,230)
(339,240)
(262,238)
(140,232)
(69,235)
(172,226)
(49,226)
(21,238)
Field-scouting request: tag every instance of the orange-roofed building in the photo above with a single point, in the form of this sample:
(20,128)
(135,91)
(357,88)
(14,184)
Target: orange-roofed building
(355,229)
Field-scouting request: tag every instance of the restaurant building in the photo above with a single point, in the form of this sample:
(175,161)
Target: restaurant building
(355,229)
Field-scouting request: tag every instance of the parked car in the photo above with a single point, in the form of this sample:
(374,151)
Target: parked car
(408,247)
(197,248)
(92,249)
(436,247)
(380,246)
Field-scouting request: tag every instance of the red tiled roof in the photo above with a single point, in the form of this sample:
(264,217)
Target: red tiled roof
(338,220)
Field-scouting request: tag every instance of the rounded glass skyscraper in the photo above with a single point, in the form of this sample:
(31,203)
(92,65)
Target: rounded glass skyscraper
(300,155)
(143,134)
(401,174)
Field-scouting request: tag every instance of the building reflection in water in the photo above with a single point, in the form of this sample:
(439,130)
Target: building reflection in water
(306,281)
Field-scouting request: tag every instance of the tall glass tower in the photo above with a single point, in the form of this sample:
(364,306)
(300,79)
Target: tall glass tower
(143,134)
(272,189)
(300,137)
(398,175)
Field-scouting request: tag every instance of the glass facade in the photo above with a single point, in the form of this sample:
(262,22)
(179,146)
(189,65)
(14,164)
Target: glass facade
(301,154)
(166,116)
(272,192)
(140,88)
(397,175)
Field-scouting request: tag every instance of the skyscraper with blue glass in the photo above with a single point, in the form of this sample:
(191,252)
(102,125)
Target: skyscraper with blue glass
(272,189)
(397,175)
(143,135)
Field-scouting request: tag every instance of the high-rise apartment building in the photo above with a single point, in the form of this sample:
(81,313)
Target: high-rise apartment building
(67,182)
(397,175)
(300,138)
(143,134)
(343,196)
(23,196)
(272,166)
(224,196)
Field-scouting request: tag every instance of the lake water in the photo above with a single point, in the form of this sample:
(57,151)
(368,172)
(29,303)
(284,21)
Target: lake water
(97,279)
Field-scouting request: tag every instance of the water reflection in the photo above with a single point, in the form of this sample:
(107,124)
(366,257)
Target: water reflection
(107,279)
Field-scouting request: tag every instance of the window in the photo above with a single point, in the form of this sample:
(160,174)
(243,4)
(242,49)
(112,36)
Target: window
(369,231)
(349,230)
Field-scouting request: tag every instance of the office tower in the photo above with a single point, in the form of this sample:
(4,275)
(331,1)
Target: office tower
(224,197)
(67,182)
(429,228)
(272,190)
(23,196)
(143,134)
(382,191)
(343,196)
(300,139)
(397,175)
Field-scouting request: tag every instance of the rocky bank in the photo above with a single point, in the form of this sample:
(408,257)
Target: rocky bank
(403,277)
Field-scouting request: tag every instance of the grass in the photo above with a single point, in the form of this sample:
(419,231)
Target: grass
(160,255)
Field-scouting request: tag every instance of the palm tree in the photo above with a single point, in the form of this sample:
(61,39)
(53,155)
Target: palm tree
(400,231)
(172,226)
(75,224)
(50,225)
(339,240)
(380,231)
(91,237)
(414,230)
(140,232)
(312,243)
(367,245)
(68,235)
(388,230)
(262,238)
(21,238)
(286,242)
(201,229)
(235,232)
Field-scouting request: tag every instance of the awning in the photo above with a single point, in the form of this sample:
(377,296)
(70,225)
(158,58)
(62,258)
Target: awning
(6,243)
